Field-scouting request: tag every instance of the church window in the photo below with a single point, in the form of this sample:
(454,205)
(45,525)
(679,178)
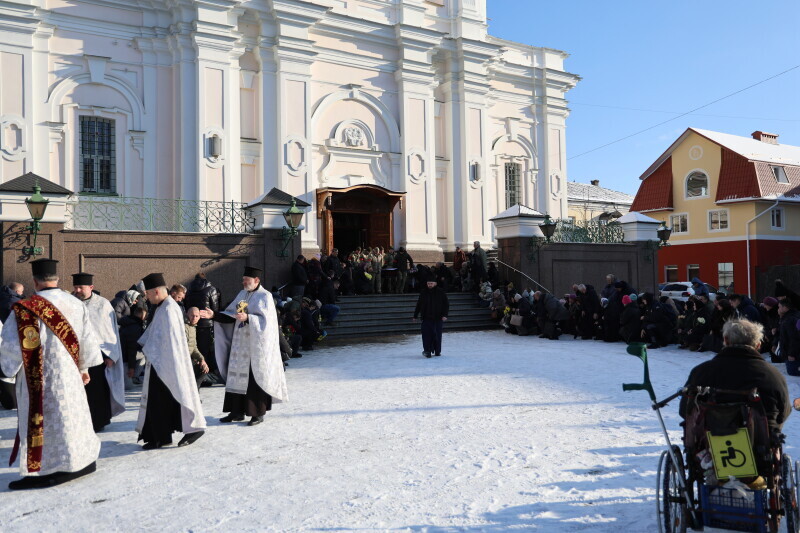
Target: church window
(513,170)
(696,185)
(98,155)
(474,172)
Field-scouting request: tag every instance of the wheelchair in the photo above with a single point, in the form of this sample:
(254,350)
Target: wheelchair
(732,473)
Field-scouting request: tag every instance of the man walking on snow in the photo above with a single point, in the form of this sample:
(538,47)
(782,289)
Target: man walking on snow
(433,307)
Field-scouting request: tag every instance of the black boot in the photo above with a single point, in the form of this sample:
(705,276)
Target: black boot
(189,438)
(256,420)
(50,480)
(231,418)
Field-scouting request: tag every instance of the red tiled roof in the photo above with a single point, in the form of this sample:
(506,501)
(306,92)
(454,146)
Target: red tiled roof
(737,177)
(655,192)
(770,186)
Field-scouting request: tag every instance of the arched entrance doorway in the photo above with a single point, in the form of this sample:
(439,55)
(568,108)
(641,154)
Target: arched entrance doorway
(357,216)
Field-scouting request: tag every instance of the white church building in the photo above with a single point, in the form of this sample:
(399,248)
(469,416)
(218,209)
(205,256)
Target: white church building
(401,122)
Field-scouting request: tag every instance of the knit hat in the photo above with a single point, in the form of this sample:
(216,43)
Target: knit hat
(619,285)
(634,297)
(770,301)
(517,297)
(626,300)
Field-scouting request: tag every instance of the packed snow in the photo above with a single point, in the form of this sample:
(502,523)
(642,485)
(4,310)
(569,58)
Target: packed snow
(500,433)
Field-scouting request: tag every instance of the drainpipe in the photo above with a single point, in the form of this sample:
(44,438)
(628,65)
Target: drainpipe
(747,227)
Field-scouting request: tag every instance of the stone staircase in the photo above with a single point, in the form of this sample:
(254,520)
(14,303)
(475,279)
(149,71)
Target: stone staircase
(390,314)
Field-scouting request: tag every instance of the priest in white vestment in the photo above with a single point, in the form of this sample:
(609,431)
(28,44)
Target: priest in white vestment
(170,401)
(248,352)
(68,446)
(105,391)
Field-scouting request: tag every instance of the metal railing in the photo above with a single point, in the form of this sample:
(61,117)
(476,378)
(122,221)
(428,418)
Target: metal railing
(506,265)
(588,232)
(125,213)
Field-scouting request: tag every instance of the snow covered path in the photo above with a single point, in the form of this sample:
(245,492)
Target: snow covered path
(501,433)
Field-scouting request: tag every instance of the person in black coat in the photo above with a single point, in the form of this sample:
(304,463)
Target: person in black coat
(739,367)
(590,310)
(327,296)
(768,316)
(658,321)
(9,295)
(630,320)
(203,295)
(613,311)
(309,324)
(700,326)
(550,314)
(433,307)
(443,276)
(403,262)
(789,336)
(131,328)
(299,277)
(347,285)
(333,263)
(744,307)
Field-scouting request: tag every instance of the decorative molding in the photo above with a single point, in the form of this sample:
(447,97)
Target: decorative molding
(214,162)
(556,185)
(97,68)
(56,131)
(17,151)
(295,152)
(137,141)
(416,166)
(696,152)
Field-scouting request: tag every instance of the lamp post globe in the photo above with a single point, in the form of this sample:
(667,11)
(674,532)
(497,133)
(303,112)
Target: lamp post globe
(293,215)
(548,227)
(37,204)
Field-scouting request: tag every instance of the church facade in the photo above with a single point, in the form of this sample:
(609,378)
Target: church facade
(402,122)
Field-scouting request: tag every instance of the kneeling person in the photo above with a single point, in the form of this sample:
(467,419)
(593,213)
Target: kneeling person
(247,343)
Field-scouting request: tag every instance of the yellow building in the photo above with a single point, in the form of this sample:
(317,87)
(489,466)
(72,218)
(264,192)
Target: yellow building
(733,204)
(590,202)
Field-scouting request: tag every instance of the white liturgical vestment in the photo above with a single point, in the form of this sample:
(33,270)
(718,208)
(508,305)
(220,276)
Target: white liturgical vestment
(104,322)
(70,443)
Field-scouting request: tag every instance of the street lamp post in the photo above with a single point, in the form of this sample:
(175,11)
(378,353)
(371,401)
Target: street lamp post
(293,216)
(37,205)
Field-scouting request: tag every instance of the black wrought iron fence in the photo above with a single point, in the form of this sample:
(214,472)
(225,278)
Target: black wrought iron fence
(588,232)
(125,213)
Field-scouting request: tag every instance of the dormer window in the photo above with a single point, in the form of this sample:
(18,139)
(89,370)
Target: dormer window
(697,185)
(780,174)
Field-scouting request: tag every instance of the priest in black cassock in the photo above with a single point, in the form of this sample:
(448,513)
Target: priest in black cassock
(105,391)
(170,401)
(248,352)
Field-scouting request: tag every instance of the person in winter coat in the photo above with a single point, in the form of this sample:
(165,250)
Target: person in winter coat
(738,367)
(783,292)
(498,302)
(610,288)
(444,278)
(590,310)
(699,287)
(789,336)
(459,258)
(525,310)
(309,324)
(658,321)
(327,296)
(131,328)
(479,262)
(745,308)
(433,307)
(699,326)
(723,311)
(613,311)
(125,301)
(486,294)
(347,285)
(550,314)
(9,295)
(492,272)
(333,263)
(203,295)
(299,277)
(362,278)
(768,316)
(404,262)
(630,320)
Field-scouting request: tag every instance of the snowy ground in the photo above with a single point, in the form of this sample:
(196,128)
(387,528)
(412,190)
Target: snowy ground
(501,433)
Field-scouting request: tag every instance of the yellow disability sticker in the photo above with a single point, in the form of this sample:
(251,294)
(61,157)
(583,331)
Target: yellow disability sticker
(732,454)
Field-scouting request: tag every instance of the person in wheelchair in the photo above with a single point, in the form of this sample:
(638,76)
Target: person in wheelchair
(739,366)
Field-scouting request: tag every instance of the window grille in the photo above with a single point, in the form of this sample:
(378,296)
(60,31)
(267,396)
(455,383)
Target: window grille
(718,220)
(98,168)
(513,171)
(679,223)
(725,274)
(777,218)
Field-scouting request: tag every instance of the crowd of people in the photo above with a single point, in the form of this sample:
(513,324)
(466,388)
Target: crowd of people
(620,313)
(65,357)
(377,270)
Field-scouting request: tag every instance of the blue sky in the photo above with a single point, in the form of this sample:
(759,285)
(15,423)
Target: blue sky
(653,58)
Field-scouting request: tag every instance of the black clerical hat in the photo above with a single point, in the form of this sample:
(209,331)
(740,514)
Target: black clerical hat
(253,272)
(152,281)
(44,267)
(82,278)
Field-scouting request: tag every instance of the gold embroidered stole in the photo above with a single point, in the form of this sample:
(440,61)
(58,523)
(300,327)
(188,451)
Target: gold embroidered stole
(28,313)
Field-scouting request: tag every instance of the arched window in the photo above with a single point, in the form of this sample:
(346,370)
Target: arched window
(696,185)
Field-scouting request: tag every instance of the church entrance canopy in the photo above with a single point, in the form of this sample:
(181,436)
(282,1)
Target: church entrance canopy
(357,216)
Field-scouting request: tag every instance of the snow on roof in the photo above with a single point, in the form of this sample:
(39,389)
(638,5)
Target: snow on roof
(596,193)
(635,216)
(782,154)
(518,210)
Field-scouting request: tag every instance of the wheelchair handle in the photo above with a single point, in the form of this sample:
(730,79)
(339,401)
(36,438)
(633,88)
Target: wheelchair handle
(665,401)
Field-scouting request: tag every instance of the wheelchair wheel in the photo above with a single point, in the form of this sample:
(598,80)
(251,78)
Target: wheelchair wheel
(789,493)
(672,505)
